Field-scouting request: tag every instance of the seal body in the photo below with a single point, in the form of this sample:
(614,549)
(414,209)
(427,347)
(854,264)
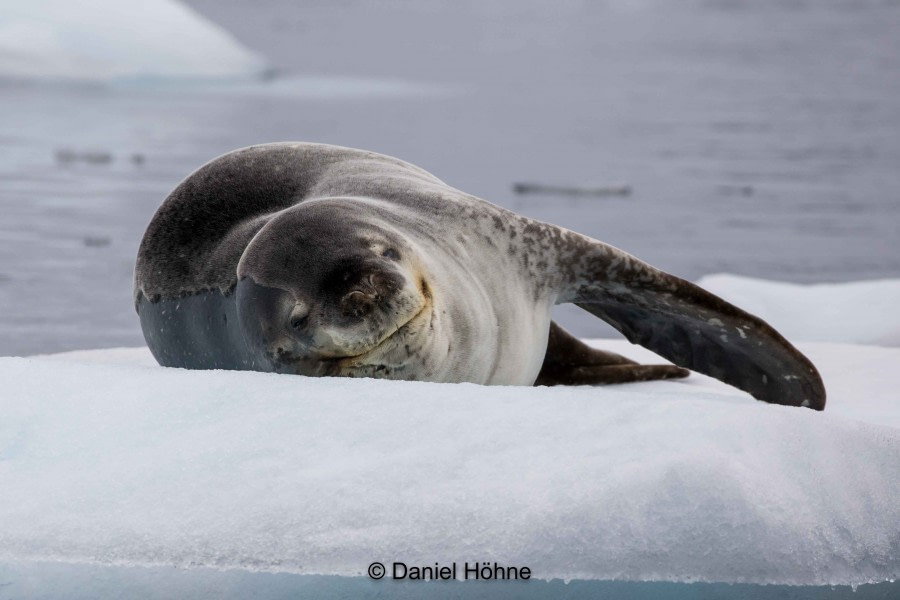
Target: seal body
(458,306)
(327,261)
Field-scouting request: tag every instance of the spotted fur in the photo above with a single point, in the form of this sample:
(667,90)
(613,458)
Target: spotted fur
(321,260)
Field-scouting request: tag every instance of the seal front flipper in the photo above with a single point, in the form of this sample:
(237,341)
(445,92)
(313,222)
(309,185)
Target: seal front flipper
(569,361)
(686,324)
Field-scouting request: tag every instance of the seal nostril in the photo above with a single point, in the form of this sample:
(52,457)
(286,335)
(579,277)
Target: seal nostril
(357,303)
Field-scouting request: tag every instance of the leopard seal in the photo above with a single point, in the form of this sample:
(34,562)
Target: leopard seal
(321,260)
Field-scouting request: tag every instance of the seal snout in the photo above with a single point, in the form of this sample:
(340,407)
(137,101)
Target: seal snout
(367,294)
(302,328)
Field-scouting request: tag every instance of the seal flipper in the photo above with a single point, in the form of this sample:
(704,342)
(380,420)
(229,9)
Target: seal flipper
(569,361)
(690,326)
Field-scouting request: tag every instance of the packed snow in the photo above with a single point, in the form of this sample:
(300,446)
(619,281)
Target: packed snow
(861,312)
(107,40)
(106,458)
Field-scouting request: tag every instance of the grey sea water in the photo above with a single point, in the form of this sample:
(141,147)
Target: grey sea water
(759,138)
(93,582)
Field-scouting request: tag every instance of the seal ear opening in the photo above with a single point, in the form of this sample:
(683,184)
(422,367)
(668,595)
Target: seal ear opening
(695,329)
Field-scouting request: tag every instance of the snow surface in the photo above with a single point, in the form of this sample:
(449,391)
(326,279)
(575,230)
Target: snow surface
(104,40)
(861,312)
(108,459)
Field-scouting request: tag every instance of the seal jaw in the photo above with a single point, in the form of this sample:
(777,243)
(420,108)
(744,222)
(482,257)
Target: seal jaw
(401,334)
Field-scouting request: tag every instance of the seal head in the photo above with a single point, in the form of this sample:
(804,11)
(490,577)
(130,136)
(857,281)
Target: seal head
(339,303)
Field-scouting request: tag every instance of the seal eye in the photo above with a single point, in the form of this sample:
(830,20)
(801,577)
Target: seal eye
(300,322)
(391,254)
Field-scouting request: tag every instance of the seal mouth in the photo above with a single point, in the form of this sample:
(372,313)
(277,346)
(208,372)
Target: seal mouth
(333,365)
(355,359)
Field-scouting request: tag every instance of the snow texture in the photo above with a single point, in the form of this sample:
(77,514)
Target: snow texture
(861,312)
(106,40)
(663,481)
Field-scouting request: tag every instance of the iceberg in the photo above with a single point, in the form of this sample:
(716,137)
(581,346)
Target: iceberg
(858,312)
(107,41)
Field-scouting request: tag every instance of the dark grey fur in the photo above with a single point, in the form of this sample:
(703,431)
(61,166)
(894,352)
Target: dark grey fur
(189,295)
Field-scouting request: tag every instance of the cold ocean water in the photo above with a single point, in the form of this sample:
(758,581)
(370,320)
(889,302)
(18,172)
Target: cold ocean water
(755,138)
(90,582)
